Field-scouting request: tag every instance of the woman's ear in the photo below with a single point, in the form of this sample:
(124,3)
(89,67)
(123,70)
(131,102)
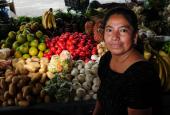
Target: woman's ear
(135,38)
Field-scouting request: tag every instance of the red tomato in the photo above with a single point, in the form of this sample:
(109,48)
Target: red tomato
(82,54)
(53,49)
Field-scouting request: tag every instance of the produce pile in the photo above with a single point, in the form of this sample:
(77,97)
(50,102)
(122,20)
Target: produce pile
(54,58)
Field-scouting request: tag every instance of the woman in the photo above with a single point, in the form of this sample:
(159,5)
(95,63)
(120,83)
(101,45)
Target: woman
(129,84)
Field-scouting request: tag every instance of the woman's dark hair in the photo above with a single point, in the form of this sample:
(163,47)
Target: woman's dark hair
(126,12)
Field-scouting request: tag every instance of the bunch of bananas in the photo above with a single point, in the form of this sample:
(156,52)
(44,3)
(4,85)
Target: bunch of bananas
(162,62)
(48,19)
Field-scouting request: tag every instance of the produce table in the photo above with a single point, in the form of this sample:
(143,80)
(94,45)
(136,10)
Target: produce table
(71,108)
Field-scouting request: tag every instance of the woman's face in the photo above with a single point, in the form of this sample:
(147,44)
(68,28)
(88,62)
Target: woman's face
(118,35)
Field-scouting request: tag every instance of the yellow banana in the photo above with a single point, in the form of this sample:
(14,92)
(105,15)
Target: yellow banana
(53,21)
(49,22)
(162,71)
(44,18)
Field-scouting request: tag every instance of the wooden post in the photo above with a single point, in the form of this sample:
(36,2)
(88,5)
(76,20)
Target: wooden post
(12,7)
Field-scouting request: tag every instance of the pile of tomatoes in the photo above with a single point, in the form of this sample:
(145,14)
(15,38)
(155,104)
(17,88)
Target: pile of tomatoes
(81,46)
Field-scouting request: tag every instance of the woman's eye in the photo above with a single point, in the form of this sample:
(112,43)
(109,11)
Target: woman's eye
(108,30)
(123,30)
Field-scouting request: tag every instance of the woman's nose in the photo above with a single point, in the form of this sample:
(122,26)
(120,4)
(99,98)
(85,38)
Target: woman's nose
(115,35)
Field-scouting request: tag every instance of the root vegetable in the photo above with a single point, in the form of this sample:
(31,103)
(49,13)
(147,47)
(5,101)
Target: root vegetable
(91,93)
(43,78)
(3,84)
(89,78)
(2,98)
(19,96)
(95,87)
(4,104)
(38,86)
(94,96)
(82,71)
(81,78)
(12,89)
(87,85)
(21,83)
(23,103)
(86,97)
(8,79)
(50,75)
(6,95)
(26,90)
(15,79)
(96,81)
(28,98)
(35,76)
(74,72)
(10,102)
(42,94)
(76,85)
(80,92)
(35,59)
(76,98)
(75,80)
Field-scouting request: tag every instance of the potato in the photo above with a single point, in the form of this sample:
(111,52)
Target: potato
(5,104)
(29,98)
(3,84)
(26,90)
(6,95)
(19,96)
(23,82)
(35,76)
(10,102)
(1,97)
(8,79)
(43,78)
(12,89)
(38,86)
(15,79)
(35,90)
(42,94)
(23,103)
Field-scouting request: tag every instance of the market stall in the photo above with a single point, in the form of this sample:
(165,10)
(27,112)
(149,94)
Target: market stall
(49,63)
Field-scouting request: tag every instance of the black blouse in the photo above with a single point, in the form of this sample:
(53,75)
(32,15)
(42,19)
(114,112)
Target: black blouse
(138,87)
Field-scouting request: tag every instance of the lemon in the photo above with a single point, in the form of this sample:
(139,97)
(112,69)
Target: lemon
(18,54)
(25,56)
(42,46)
(33,51)
(34,43)
(40,54)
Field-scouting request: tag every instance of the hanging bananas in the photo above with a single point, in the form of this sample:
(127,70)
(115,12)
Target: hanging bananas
(48,20)
(163,64)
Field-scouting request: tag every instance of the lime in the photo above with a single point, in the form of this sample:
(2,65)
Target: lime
(42,46)
(25,56)
(30,37)
(39,34)
(34,43)
(21,39)
(40,54)
(33,51)
(15,45)
(24,49)
(12,35)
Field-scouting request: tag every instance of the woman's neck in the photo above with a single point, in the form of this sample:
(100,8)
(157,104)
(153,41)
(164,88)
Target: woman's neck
(122,58)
